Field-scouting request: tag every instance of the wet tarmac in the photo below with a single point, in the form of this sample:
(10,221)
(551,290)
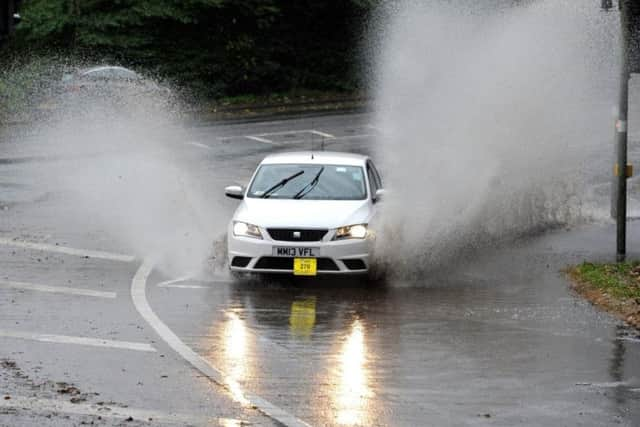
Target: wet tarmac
(495,338)
(499,341)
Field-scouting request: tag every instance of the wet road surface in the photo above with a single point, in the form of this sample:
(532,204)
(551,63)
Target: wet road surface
(497,339)
(499,342)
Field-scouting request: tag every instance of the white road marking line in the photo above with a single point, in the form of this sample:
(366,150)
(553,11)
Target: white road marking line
(329,140)
(179,279)
(65,339)
(289,132)
(261,136)
(173,283)
(197,144)
(283,132)
(56,289)
(259,139)
(185,286)
(66,250)
(323,134)
(138,294)
(279,133)
(105,411)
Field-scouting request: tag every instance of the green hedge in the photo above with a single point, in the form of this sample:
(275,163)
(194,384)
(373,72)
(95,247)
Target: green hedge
(213,47)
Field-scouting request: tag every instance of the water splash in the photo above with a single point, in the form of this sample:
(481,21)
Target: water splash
(114,155)
(494,119)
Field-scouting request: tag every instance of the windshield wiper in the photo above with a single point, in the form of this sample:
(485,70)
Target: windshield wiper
(280,184)
(310,186)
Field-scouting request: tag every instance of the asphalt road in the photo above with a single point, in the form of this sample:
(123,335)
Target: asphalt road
(93,332)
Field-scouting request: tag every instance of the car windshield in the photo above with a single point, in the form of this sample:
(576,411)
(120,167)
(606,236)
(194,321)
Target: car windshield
(318,182)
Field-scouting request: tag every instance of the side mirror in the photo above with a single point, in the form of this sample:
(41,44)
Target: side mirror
(234,191)
(380,192)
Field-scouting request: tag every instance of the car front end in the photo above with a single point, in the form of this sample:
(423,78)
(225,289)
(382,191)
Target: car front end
(298,250)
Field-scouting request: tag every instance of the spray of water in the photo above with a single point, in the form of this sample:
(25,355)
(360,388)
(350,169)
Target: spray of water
(116,156)
(494,119)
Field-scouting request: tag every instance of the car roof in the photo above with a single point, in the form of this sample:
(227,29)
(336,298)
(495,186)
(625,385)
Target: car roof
(316,157)
(106,67)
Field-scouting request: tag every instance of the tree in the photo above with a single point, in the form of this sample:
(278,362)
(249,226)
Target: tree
(215,46)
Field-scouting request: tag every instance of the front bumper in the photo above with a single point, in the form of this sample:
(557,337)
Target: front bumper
(245,254)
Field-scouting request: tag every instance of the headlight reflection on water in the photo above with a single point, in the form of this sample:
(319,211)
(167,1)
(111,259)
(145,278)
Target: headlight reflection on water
(235,355)
(353,388)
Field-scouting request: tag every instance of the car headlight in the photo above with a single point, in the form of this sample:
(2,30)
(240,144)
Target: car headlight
(357,231)
(246,230)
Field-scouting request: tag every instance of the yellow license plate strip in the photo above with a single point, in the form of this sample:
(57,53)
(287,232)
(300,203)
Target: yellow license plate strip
(305,266)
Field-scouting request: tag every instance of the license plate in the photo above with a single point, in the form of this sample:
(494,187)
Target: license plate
(305,266)
(293,251)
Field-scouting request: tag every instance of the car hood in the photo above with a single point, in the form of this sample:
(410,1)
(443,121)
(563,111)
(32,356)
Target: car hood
(303,213)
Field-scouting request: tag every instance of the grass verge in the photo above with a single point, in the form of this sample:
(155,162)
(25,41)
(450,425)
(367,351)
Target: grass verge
(612,287)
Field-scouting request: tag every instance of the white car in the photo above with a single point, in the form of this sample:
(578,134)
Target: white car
(305,213)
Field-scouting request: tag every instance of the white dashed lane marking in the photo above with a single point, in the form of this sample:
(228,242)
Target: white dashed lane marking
(197,144)
(65,339)
(264,137)
(322,134)
(66,250)
(260,139)
(56,289)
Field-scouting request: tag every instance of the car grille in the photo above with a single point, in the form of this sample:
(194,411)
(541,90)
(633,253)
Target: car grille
(284,263)
(287,234)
